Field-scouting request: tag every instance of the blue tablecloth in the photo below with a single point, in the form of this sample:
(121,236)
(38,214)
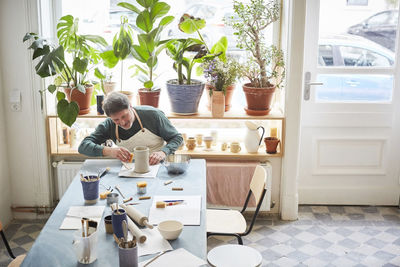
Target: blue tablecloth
(53,247)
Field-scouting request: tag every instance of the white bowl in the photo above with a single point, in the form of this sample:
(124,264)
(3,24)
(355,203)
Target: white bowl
(170,229)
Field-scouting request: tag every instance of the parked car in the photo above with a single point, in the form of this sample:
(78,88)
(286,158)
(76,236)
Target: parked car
(353,51)
(380,28)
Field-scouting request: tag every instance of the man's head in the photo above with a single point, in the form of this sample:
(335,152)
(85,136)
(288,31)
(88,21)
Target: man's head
(117,107)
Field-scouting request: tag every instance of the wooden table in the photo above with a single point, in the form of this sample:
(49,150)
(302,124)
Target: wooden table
(53,247)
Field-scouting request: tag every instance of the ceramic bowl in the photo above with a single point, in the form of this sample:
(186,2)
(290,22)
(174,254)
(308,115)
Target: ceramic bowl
(177,163)
(170,229)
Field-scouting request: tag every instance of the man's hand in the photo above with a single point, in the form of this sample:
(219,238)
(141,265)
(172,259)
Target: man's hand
(156,157)
(120,153)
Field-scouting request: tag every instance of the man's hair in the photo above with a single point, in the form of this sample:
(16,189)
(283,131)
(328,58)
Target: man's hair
(115,102)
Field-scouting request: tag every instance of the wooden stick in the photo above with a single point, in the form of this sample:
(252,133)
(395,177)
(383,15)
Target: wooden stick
(143,198)
(177,188)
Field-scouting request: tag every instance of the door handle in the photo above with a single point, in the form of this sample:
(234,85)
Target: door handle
(307,85)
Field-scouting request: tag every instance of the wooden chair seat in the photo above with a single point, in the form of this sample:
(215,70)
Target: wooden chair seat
(17,261)
(225,221)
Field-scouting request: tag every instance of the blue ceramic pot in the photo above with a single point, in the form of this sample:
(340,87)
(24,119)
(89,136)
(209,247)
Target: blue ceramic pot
(185,98)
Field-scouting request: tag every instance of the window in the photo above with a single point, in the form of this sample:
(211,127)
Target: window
(102,17)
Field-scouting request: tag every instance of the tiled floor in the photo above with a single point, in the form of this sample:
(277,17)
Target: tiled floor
(323,236)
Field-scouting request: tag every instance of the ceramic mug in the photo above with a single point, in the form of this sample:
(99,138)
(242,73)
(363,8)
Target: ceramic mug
(224,146)
(208,140)
(235,147)
(191,143)
(199,139)
(141,159)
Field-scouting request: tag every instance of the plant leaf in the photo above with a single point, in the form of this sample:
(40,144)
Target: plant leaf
(129,6)
(60,95)
(145,3)
(98,74)
(144,22)
(220,48)
(67,111)
(81,88)
(146,42)
(41,51)
(148,84)
(140,54)
(51,88)
(49,62)
(158,10)
(80,65)
(96,39)
(109,59)
(166,20)
(189,24)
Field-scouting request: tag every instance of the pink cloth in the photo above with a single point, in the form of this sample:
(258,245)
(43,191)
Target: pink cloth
(228,182)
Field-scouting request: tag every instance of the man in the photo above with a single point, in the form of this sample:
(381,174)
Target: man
(129,127)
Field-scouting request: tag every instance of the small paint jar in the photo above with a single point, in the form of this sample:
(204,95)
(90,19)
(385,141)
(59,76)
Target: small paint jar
(141,187)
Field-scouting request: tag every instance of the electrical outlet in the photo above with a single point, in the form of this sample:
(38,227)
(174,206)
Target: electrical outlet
(15,107)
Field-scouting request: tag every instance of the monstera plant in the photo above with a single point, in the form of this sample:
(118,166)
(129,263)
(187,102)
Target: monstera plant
(69,63)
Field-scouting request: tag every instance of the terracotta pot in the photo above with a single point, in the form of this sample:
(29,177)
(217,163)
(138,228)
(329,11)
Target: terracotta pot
(271,144)
(109,87)
(150,98)
(82,99)
(258,99)
(228,96)
(129,94)
(218,104)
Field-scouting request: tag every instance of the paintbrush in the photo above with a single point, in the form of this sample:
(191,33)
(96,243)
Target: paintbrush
(104,172)
(126,165)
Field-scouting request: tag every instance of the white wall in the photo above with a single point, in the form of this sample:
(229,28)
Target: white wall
(24,130)
(5,185)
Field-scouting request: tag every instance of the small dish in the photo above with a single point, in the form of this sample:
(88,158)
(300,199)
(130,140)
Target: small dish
(170,229)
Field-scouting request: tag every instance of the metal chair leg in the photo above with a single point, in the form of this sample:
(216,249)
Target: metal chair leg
(7,245)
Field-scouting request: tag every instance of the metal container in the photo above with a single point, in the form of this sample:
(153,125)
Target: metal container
(176,164)
(112,198)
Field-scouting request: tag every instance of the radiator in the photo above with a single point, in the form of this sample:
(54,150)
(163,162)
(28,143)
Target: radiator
(65,173)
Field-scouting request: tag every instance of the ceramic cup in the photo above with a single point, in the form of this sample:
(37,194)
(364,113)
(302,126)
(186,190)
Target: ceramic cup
(90,189)
(235,147)
(128,257)
(108,224)
(199,139)
(214,135)
(208,140)
(117,219)
(141,159)
(191,143)
(224,146)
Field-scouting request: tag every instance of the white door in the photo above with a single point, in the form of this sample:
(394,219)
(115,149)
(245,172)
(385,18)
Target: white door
(349,145)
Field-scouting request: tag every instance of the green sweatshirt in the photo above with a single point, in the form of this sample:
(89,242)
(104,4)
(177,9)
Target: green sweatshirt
(152,119)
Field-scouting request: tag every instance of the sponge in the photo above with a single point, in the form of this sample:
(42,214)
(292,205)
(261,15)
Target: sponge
(104,194)
(160,204)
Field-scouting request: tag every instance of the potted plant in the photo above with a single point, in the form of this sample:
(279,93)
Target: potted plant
(122,46)
(265,66)
(221,76)
(149,45)
(70,63)
(185,92)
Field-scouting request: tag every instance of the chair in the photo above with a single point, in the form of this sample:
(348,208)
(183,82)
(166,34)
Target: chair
(232,222)
(16,260)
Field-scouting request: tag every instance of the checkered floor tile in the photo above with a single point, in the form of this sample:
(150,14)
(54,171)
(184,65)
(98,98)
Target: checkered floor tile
(323,236)
(327,236)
